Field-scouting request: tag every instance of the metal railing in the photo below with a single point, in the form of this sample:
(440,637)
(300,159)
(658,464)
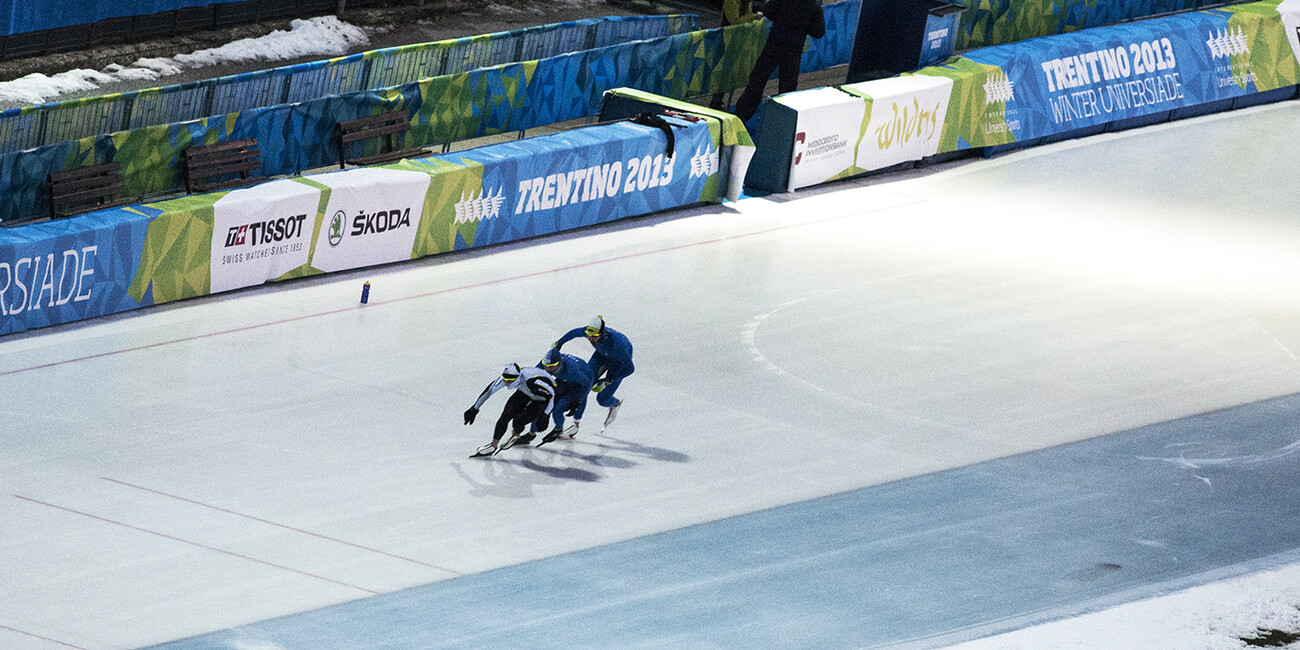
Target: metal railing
(34,126)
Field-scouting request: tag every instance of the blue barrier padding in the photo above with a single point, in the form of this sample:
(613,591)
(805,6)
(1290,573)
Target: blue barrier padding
(1137,122)
(69,270)
(547,179)
(1042,104)
(1046,90)
(1207,108)
(124,258)
(1071,135)
(989,152)
(1267,97)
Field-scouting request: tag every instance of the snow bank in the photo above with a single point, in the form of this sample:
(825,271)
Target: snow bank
(321,36)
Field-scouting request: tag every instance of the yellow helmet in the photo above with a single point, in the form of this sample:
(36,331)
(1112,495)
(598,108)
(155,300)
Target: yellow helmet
(596,327)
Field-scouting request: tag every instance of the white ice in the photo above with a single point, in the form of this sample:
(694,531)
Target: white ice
(222,461)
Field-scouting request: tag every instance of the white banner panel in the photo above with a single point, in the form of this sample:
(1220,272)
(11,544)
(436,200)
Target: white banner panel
(906,122)
(1290,10)
(827,129)
(371,218)
(261,232)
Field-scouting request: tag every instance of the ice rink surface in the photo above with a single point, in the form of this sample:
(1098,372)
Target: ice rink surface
(911,409)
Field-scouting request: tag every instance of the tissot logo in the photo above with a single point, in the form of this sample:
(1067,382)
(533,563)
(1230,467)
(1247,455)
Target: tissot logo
(336,227)
(265,232)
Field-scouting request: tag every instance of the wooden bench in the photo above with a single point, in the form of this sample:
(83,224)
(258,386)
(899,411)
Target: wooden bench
(390,126)
(85,189)
(222,166)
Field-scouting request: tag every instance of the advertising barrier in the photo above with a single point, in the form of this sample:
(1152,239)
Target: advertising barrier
(1290,12)
(996,22)
(1034,91)
(135,256)
(297,136)
(34,126)
(737,149)
(1058,84)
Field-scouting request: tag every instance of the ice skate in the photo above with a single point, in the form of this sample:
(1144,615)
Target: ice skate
(509,442)
(613,413)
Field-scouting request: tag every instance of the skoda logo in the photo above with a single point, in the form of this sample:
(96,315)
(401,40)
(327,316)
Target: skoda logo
(336,228)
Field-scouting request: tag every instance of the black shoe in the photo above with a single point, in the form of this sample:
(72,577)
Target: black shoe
(526,438)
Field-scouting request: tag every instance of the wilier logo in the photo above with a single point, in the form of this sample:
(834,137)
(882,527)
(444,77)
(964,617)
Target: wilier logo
(265,232)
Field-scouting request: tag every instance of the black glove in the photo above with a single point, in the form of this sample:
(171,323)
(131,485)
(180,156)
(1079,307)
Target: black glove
(470,415)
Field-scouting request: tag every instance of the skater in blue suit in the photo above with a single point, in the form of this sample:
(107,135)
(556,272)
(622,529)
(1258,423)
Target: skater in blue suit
(573,380)
(610,363)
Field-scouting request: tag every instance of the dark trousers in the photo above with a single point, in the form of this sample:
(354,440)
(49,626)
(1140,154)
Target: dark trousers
(520,409)
(774,57)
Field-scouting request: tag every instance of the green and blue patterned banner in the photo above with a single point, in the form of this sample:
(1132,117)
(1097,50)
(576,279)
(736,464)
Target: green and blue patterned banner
(1038,90)
(131,257)
(996,22)
(296,137)
(34,126)
(1057,84)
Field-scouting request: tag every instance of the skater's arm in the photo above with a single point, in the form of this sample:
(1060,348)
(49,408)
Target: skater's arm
(569,336)
(496,385)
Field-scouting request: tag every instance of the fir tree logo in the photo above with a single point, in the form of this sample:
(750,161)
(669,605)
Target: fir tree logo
(479,207)
(998,88)
(1226,44)
(704,163)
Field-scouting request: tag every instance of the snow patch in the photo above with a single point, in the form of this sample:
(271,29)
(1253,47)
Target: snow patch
(321,36)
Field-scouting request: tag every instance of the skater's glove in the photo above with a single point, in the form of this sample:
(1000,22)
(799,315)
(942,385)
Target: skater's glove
(470,415)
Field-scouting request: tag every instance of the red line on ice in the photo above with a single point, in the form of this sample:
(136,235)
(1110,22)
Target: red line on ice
(374,303)
(43,638)
(284,526)
(203,546)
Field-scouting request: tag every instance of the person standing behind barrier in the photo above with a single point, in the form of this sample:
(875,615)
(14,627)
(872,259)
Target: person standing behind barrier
(734,12)
(792,22)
